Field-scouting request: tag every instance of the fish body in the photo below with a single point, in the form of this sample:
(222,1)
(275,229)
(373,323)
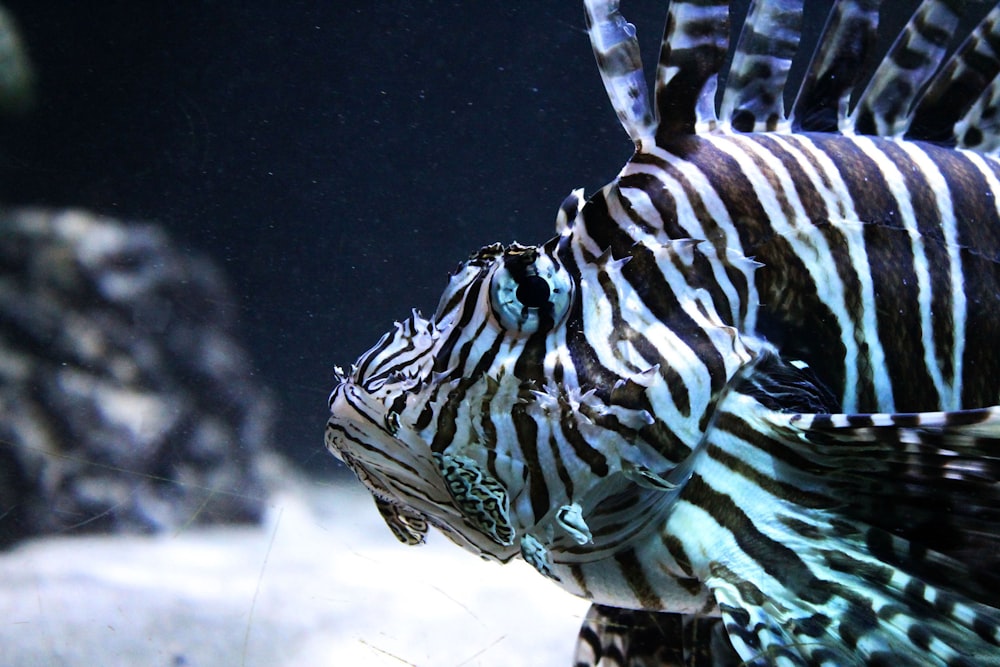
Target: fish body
(744,400)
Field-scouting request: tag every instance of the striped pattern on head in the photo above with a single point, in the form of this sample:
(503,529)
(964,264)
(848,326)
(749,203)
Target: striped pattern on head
(657,408)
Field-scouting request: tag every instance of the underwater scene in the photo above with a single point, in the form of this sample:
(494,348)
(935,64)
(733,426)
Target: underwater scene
(702,330)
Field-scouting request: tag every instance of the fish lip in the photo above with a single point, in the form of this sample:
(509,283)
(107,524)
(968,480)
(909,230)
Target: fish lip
(351,422)
(352,437)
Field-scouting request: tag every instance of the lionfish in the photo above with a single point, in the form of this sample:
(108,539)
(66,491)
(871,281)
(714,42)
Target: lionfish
(745,400)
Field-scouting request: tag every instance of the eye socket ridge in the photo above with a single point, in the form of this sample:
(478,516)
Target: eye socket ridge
(530,291)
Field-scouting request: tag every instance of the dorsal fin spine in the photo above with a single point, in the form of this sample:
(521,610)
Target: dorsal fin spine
(754,97)
(823,100)
(617,50)
(910,94)
(884,109)
(979,128)
(695,43)
(945,112)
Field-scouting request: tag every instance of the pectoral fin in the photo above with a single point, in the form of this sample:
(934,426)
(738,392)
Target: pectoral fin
(612,637)
(877,546)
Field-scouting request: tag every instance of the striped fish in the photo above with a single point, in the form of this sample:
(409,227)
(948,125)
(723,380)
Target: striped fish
(745,400)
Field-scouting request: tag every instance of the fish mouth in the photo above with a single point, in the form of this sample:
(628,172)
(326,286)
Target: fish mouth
(357,422)
(400,471)
(337,436)
(357,434)
(367,400)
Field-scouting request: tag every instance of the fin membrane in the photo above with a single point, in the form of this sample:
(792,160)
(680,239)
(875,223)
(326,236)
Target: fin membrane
(898,564)
(914,93)
(612,637)
(824,97)
(753,99)
(884,108)
(695,44)
(958,85)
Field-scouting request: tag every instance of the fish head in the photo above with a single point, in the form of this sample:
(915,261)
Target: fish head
(424,418)
(543,388)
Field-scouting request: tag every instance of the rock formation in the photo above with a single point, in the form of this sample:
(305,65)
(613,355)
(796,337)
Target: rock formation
(126,402)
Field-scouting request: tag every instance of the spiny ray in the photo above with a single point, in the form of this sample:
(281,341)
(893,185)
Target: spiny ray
(754,97)
(823,100)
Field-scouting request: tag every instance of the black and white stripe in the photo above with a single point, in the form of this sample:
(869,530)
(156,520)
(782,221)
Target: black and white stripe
(753,376)
(865,245)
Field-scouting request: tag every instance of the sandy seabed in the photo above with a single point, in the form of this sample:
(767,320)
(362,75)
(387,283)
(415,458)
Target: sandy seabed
(322,582)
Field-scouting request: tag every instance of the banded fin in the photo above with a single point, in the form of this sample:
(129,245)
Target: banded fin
(612,637)
(884,107)
(617,50)
(867,552)
(862,613)
(979,128)
(408,526)
(910,94)
(963,82)
(895,471)
(753,100)
(823,100)
(695,44)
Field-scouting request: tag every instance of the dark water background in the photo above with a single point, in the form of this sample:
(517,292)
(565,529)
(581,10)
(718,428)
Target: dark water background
(337,159)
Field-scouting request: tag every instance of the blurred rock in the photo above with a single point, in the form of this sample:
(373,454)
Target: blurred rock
(126,403)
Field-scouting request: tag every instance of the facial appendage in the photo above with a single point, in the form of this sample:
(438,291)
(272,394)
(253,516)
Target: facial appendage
(415,418)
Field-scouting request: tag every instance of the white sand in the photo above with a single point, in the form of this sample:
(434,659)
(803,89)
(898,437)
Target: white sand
(322,583)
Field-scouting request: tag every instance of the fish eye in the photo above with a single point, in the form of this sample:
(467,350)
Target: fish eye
(533,292)
(530,291)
